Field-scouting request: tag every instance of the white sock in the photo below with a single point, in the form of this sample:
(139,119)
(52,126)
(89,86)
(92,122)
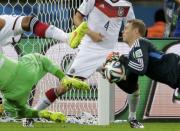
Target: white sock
(133,100)
(42,104)
(57,34)
(132,116)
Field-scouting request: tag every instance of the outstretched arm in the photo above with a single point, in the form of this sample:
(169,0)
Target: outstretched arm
(27,112)
(50,66)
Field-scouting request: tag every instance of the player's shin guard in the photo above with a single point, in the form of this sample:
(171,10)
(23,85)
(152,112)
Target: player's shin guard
(50,97)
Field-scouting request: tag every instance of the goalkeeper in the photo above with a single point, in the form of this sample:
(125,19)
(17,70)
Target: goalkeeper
(145,59)
(18,77)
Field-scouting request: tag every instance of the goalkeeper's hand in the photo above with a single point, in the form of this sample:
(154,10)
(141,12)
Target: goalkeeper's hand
(113,56)
(101,70)
(110,57)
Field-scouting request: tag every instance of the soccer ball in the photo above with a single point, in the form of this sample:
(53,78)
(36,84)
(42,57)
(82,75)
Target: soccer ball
(114,71)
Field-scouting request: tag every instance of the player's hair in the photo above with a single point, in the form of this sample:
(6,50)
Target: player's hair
(137,23)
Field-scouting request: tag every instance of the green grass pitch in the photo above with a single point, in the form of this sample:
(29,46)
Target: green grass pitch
(157,126)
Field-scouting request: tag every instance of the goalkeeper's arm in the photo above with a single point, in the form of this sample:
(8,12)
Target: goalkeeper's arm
(28,112)
(50,66)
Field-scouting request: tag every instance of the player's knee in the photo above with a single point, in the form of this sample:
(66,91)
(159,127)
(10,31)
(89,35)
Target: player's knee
(26,23)
(136,93)
(131,89)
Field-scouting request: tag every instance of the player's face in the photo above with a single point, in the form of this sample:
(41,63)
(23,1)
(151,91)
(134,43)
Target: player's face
(128,33)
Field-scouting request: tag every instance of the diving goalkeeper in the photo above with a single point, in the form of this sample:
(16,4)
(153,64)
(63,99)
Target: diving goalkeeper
(18,77)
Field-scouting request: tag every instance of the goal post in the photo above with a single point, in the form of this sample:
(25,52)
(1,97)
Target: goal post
(106,101)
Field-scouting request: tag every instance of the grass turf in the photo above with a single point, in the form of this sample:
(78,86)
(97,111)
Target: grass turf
(75,127)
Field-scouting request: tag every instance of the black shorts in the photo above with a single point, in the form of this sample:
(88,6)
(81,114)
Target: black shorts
(130,85)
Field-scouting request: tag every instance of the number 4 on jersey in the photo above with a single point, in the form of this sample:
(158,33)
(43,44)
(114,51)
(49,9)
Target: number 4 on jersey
(106,26)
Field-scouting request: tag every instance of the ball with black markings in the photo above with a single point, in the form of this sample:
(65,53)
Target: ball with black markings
(114,71)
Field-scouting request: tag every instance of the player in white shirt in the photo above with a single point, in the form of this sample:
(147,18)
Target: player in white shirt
(105,18)
(104,21)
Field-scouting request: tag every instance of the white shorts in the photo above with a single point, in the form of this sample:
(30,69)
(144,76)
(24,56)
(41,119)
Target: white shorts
(87,62)
(12,30)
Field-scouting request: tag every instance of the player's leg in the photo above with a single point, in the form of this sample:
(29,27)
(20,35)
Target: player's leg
(83,66)
(32,24)
(87,62)
(133,95)
(41,29)
(133,100)
(52,94)
(49,97)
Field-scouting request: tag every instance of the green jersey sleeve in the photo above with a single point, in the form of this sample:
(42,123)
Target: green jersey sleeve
(27,112)
(50,66)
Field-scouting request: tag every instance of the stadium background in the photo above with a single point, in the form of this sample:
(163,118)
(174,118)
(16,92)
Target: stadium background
(140,6)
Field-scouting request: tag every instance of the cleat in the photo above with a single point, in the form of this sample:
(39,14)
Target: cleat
(176,96)
(45,114)
(58,117)
(69,83)
(76,36)
(135,124)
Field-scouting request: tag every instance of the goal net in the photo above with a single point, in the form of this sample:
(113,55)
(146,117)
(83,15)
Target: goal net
(58,13)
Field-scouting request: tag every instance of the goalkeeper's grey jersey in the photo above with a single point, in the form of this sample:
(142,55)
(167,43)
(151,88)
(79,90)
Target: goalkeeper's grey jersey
(145,59)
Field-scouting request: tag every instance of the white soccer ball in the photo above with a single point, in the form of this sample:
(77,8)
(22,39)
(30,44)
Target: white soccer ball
(114,71)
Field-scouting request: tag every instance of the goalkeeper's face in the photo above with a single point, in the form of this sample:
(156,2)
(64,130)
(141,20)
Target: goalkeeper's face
(128,33)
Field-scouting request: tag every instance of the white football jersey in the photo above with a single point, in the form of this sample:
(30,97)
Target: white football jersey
(105,17)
